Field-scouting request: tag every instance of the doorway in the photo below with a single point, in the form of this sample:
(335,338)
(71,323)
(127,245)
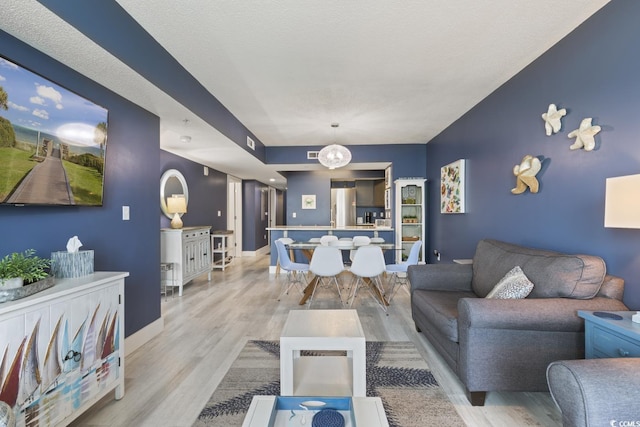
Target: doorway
(273,210)
(234,216)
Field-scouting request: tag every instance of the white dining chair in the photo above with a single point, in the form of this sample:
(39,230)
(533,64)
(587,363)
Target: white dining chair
(296,272)
(326,239)
(377,240)
(314,240)
(368,263)
(359,241)
(399,271)
(326,264)
(286,241)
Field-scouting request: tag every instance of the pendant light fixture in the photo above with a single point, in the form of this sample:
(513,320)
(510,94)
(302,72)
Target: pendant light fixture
(334,156)
(185,138)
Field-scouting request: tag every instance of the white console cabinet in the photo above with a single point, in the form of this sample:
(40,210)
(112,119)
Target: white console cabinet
(62,349)
(189,250)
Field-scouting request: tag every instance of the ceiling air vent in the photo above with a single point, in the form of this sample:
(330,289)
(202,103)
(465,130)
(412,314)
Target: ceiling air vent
(312,155)
(251,143)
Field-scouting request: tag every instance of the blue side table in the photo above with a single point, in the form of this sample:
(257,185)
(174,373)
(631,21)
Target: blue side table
(606,338)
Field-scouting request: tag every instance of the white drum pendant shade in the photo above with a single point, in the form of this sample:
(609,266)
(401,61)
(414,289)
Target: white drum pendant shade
(334,156)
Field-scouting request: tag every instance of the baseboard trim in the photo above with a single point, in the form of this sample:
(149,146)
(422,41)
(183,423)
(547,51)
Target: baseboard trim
(262,251)
(141,337)
(272,269)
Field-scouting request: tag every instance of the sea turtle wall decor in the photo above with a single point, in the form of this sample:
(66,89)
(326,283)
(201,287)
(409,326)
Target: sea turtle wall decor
(526,173)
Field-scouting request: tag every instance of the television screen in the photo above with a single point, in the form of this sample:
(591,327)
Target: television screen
(52,142)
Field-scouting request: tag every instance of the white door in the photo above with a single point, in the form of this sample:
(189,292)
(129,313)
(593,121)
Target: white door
(234,216)
(273,210)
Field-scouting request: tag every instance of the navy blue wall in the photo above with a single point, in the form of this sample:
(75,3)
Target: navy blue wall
(131,179)
(255,204)
(207,194)
(592,73)
(307,183)
(407,158)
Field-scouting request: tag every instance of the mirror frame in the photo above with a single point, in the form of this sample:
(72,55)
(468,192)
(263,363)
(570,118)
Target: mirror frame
(166,176)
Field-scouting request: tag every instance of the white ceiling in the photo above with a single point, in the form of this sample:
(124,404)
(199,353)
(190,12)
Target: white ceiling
(388,72)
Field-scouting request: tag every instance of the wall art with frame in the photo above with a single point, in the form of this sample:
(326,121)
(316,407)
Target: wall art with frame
(308,201)
(452,188)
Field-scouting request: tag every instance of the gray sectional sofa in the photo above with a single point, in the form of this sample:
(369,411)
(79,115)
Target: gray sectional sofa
(507,344)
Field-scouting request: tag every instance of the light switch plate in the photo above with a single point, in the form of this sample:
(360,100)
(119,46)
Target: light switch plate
(125,213)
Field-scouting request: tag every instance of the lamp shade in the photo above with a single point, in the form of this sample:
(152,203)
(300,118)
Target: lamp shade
(622,202)
(334,156)
(176,204)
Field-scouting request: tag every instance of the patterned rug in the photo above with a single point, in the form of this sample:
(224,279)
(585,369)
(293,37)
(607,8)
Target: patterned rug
(395,372)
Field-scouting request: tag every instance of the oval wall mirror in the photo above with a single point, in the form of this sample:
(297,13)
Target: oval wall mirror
(172,182)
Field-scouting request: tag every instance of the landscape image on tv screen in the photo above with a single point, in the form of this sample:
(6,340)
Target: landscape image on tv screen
(52,142)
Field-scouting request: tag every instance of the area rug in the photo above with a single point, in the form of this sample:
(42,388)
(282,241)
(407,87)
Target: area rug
(396,373)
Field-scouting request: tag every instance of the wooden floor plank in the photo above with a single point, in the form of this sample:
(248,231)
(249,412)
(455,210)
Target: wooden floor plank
(170,378)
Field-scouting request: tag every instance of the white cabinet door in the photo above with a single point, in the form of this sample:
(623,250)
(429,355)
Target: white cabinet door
(60,350)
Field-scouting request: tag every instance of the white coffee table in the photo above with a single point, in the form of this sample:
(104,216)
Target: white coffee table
(323,375)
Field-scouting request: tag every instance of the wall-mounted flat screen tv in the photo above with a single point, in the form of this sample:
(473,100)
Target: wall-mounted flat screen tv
(52,142)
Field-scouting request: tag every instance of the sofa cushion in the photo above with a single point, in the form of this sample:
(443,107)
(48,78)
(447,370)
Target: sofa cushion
(441,309)
(514,285)
(555,275)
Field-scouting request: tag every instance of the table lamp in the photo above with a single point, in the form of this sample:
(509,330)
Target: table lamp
(622,206)
(176,205)
(622,202)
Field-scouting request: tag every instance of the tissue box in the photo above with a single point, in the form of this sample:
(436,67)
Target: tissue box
(68,265)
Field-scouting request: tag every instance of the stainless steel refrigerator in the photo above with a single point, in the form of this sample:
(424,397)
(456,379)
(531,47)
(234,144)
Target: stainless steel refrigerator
(343,207)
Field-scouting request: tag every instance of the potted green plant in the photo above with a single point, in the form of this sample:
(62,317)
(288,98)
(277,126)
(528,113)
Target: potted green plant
(20,267)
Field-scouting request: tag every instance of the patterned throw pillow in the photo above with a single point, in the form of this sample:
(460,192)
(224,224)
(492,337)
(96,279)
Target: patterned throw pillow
(514,285)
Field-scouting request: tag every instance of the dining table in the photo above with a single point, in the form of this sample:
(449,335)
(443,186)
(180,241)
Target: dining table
(307,249)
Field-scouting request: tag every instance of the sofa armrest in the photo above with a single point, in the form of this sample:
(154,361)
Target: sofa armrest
(536,314)
(612,287)
(440,277)
(595,392)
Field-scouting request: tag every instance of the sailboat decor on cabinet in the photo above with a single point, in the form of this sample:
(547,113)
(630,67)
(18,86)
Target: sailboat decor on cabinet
(45,375)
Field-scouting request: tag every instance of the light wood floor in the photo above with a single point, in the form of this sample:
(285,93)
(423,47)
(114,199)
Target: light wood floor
(170,378)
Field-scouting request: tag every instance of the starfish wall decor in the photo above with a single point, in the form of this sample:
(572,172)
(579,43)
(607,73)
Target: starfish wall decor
(584,135)
(552,123)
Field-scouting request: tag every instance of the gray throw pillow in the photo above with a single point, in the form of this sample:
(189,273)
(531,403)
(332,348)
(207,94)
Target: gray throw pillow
(514,285)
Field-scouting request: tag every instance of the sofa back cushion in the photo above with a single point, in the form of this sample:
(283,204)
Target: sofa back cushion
(555,275)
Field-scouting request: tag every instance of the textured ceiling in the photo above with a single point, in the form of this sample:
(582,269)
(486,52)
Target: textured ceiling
(388,72)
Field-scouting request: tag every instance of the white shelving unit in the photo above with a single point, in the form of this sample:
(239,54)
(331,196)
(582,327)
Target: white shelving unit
(221,249)
(410,216)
